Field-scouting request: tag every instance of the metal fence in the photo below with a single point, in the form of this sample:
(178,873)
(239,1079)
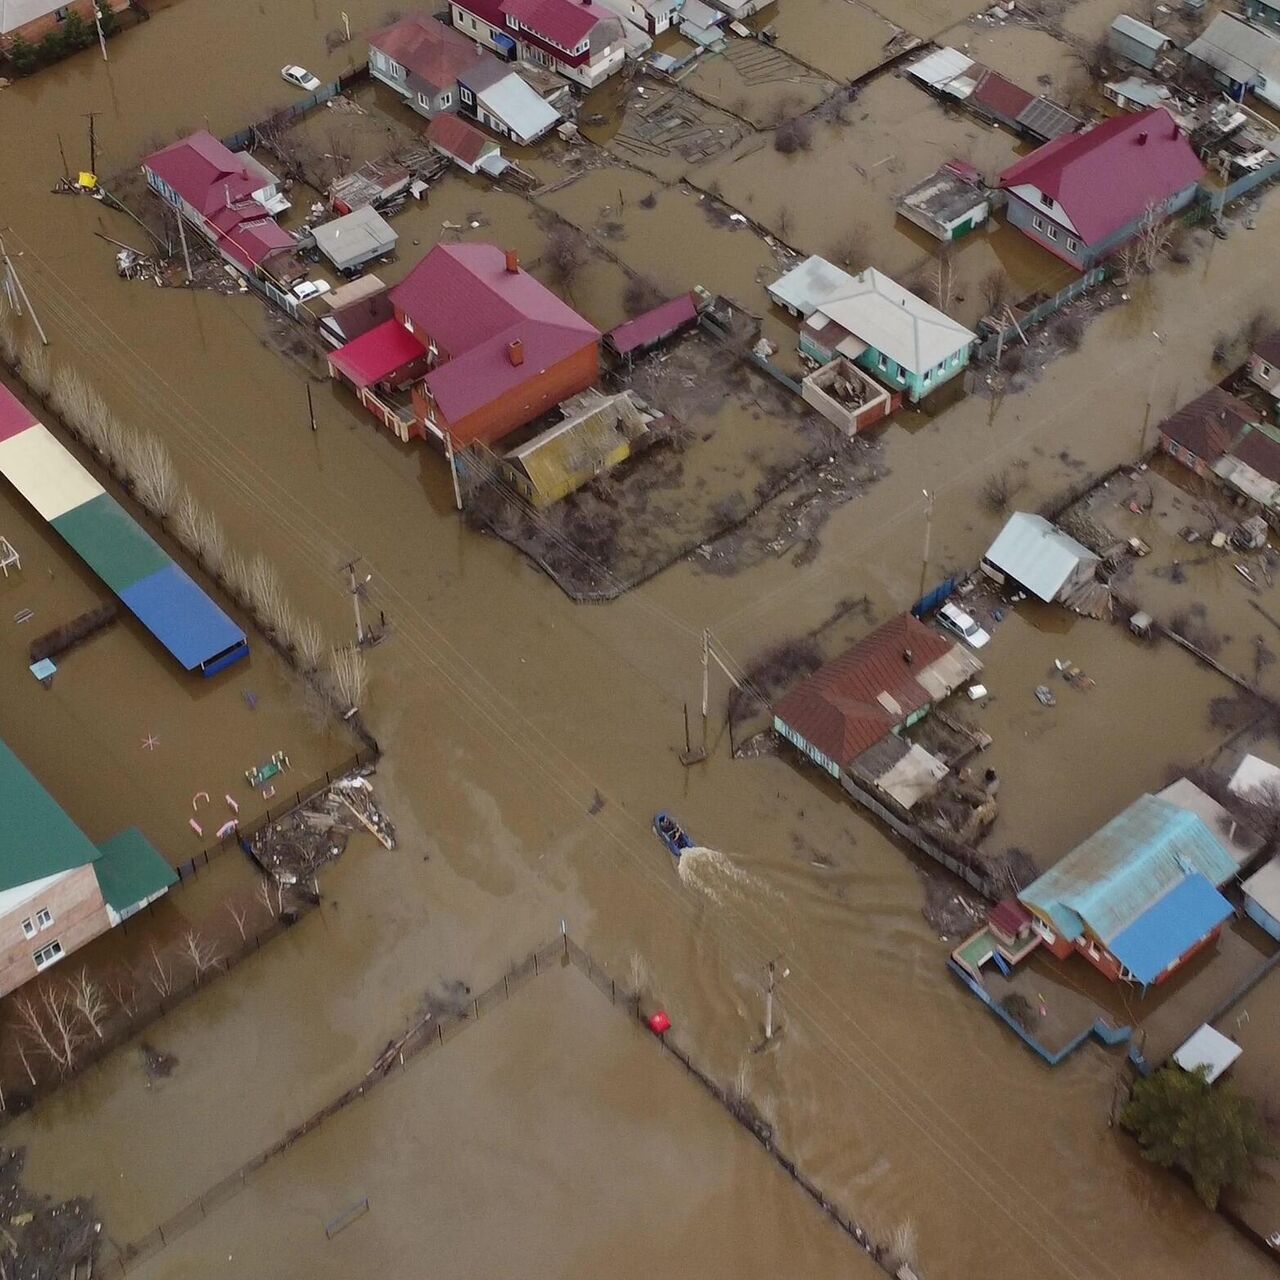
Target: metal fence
(431,1034)
(989,346)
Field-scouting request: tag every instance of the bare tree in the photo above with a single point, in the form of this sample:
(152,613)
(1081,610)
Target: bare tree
(8,335)
(266,593)
(310,643)
(274,902)
(998,490)
(21,1051)
(31,1028)
(996,288)
(350,676)
(52,1025)
(185,521)
(200,952)
(158,972)
(37,368)
(90,1001)
(850,246)
(565,254)
(944,274)
(124,990)
(155,478)
(235,573)
(211,541)
(239,913)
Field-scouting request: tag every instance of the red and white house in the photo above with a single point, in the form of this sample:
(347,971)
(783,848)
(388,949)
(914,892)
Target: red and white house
(229,197)
(581,41)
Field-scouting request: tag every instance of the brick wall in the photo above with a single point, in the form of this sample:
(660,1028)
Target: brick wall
(79,915)
(37,28)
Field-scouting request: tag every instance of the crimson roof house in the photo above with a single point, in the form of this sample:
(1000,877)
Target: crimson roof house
(227,196)
(482,346)
(583,42)
(1083,195)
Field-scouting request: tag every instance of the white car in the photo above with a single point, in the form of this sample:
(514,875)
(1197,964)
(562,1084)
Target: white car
(955,618)
(310,289)
(300,78)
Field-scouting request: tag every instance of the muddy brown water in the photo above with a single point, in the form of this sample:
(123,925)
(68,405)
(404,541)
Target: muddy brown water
(504,710)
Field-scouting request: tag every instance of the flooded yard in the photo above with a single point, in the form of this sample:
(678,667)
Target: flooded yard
(529,742)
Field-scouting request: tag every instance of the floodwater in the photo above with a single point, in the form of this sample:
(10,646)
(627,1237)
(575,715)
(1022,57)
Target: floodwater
(529,742)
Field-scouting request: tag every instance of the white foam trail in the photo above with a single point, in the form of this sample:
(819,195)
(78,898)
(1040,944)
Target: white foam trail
(715,875)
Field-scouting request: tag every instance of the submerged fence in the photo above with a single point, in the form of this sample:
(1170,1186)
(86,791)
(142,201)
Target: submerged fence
(1042,311)
(432,1033)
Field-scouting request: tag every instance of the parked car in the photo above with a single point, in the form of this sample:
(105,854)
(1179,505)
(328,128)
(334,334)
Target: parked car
(300,78)
(955,619)
(310,289)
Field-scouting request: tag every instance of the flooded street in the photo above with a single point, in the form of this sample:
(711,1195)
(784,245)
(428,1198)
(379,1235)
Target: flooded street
(529,742)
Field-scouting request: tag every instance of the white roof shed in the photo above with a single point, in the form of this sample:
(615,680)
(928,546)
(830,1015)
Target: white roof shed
(1037,554)
(1209,1049)
(806,287)
(355,238)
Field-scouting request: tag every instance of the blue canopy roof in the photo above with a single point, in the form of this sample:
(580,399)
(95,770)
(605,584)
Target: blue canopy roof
(182,617)
(1169,927)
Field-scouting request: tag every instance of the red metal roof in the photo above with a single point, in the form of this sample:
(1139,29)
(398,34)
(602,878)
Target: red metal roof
(1009,916)
(205,173)
(1269,348)
(1259,451)
(14,415)
(431,51)
(561,21)
(463,298)
(837,708)
(1108,177)
(377,354)
(1000,96)
(659,323)
(1208,425)
(457,138)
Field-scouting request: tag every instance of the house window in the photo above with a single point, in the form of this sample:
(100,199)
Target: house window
(1038,223)
(1072,244)
(61,14)
(927,378)
(1046,200)
(44,918)
(1051,231)
(28,928)
(1265,369)
(48,955)
(513,22)
(884,364)
(422,99)
(466,94)
(446,99)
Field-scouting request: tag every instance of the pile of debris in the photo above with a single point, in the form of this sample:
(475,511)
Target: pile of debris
(40,1239)
(295,846)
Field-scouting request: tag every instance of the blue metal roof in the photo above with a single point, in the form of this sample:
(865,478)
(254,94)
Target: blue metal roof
(1111,879)
(182,617)
(1169,927)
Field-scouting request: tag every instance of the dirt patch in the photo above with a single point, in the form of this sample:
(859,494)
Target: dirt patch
(41,1240)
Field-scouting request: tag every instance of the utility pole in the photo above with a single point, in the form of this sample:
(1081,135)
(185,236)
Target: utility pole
(346,25)
(97,22)
(928,534)
(14,286)
(772,977)
(1151,394)
(66,168)
(93,141)
(706,683)
(356,587)
(453,468)
(182,236)
(311,408)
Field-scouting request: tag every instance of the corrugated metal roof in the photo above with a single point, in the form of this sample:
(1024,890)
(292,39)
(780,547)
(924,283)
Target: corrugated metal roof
(130,870)
(37,838)
(110,542)
(355,237)
(1264,888)
(1108,881)
(662,321)
(939,68)
(1000,97)
(1241,52)
(1208,425)
(1047,119)
(805,287)
(1169,928)
(1139,32)
(1036,554)
(377,354)
(181,617)
(45,473)
(565,457)
(524,112)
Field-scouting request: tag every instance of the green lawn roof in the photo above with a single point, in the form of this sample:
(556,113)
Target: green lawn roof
(37,838)
(130,870)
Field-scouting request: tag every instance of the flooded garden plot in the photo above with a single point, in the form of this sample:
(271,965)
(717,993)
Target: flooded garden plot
(668,132)
(1032,58)
(565,1126)
(844,40)
(758,82)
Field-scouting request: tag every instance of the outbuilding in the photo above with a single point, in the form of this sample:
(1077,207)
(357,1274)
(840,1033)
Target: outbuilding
(1262,898)
(356,238)
(1037,555)
(1138,42)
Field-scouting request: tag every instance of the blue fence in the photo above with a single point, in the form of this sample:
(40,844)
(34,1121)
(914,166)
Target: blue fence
(939,595)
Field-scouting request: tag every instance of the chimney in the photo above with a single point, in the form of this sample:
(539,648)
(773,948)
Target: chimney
(1142,138)
(515,352)
(513,261)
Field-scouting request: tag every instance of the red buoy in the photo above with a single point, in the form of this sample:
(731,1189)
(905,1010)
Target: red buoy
(659,1023)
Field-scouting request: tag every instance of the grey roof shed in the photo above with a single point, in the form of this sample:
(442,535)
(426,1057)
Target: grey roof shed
(355,238)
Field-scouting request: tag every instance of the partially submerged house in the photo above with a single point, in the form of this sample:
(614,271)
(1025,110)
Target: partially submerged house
(493,93)
(1201,431)
(1264,365)
(465,145)
(355,239)
(58,890)
(949,203)
(1040,558)
(480,346)
(582,42)
(1265,13)
(1137,93)
(1241,57)
(651,16)
(1139,42)
(1139,897)
(229,197)
(1086,195)
(354,309)
(848,717)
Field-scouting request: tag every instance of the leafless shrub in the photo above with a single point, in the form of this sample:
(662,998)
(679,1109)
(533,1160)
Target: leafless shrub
(69,394)
(793,135)
(158,971)
(185,521)
(650,201)
(211,541)
(996,289)
(271,895)
(902,1248)
(349,675)
(640,296)
(155,478)
(335,39)
(998,490)
(200,953)
(235,574)
(565,255)
(309,641)
(1070,331)
(123,987)
(266,594)
(239,913)
(785,220)
(90,1001)
(37,368)
(1260,325)
(1095,57)
(849,247)
(1013,359)
(782,108)
(9,342)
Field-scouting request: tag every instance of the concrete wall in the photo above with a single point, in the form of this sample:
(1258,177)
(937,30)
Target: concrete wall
(79,915)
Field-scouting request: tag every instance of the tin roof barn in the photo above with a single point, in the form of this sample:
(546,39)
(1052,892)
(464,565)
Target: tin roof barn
(1142,892)
(949,203)
(1040,557)
(462,143)
(1138,42)
(356,238)
(653,327)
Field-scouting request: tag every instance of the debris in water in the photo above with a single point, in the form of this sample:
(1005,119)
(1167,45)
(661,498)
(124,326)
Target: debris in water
(157,1065)
(597,803)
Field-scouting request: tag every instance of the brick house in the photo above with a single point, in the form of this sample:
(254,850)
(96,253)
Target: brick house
(582,42)
(1085,195)
(1205,429)
(482,347)
(32,20)
(1264,365)
(58,890)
